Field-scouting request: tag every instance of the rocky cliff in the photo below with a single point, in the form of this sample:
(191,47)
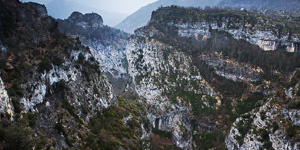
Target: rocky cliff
(267,33)
(274,124)
(215,48)
(142,16)
(106,44)
(150,70)
(194,70)
(47,79)
(166,79)
(197,79)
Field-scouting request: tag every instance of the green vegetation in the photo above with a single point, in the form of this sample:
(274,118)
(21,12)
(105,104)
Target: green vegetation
(294,104)
(275,126)
(199,109)
(19,134)
(70,109)
(249,103)
(162,133)
(243,127)
(265,139)
(292,130)
(236,19)
(44,65)
(209,140)
(109,131)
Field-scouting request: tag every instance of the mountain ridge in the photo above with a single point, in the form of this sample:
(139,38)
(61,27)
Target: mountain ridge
(62,10)
(142,16)
(194,78)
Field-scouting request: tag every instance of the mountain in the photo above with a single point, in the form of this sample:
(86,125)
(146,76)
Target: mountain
(53,93)
(142,16)
(218,66)
(63,9)
(203,73)
(107,45)
(286,5)
(193,78)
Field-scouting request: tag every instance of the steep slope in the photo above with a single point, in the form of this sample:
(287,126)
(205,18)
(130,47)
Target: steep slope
(142,16)
(214,65)
(274,124)
(177,96)
(51,85)
(258,29)
(194,70)
(203,79)
(106,44)
(54,94)
(145,70)
(62,9)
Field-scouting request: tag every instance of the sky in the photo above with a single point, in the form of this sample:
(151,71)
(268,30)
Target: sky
(119,6)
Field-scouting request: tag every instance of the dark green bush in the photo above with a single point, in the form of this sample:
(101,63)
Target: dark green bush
(291,130)
(70,109)
(44,65)
(208,139)
(16,104)
(275,126)
(294,104)
(57,61)
(162,133)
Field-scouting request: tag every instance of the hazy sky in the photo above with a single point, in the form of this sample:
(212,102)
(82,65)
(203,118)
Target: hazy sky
(120,6)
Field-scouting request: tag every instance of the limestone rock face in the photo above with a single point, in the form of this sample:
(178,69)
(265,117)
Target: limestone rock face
(5,102)
(59,85)
(261,129)
(265,39)
(106,44)
(152,72)
(40,84)
(91,20)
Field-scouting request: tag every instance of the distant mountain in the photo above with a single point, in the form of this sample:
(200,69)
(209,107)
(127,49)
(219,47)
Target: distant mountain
(142,16)
(63,10)
(263,4)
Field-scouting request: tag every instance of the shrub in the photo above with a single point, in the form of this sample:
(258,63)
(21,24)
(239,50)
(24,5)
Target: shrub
(80,58)
(57,61)
(59,127)
(44,65)
(16,104)
(291,130)
(275,126)
(294,104)
(298,92)
(70,109)
(162,133)
(208,139)
(53,26)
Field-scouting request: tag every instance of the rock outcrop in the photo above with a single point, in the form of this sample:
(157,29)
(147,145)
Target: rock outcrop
(193,75)
(106,44)
(268,34)
(6,103)
(49,76)
(90,20)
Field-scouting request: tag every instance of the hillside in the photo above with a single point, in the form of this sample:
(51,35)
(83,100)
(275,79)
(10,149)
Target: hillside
(53,91)
(241,68)
(193,78)
(141,17)
(106,44)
